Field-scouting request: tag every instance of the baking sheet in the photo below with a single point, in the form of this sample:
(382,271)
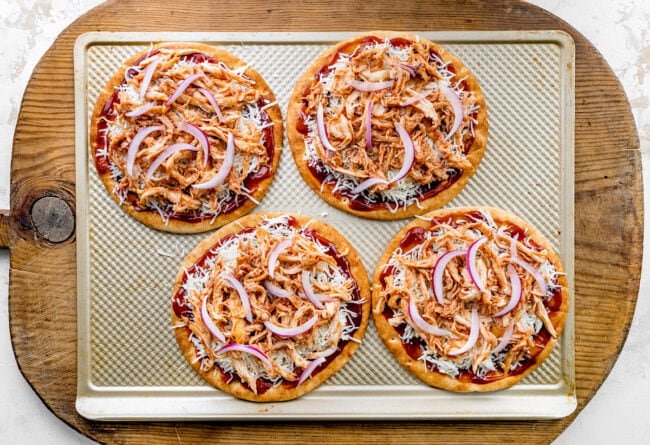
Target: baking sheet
(129,366)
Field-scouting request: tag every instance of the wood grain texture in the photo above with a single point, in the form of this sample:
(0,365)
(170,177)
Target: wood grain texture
(608,207)
(5,232)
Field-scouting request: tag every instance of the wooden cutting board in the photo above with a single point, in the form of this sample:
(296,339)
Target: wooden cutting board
(39,230)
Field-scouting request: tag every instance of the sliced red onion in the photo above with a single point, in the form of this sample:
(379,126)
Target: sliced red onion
(513,247)
(167,153)
(321,297)
(514,258)
(410,69)
(310,369)
(249,350)
(505,339)
(370,86)
(421,324)
(148,73)
(309,291)
(415,98)
(320,125)
(182,87)
(471,263)
(541,282)
(276,291)
(456,106)
(135,144)
(473,335)
(409,153)
(291,332)
(132,72)
(140,110)
(200,136)
(207,321)
(213,101)
(515,296)
(275,253)
(369,125)
(367,184)
(438,271)
(243,295)
(224,170)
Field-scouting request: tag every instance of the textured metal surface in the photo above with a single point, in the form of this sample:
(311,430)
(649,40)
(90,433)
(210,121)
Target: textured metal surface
(128,342)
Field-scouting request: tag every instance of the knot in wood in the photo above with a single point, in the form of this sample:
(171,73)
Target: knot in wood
(53,219)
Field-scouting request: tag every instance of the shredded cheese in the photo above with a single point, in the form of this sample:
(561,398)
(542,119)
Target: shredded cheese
(337,321)
(169,190)
(345,122)
(412,267)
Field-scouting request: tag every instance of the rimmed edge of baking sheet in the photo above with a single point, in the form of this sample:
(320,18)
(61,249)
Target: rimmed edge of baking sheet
(328,402)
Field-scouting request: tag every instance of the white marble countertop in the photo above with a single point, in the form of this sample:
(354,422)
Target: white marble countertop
(620,29)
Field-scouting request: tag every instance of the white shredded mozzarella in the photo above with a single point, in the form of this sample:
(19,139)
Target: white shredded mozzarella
(409,334)
(196,280)
(251,115)
(406,192)
(442,364)
(403,194)
(452,366)
(129,91)
(529,322)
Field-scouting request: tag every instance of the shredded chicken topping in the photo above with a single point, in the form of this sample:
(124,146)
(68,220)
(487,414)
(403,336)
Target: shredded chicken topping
(409,276)
(246,258)
(413,98)
(169,189)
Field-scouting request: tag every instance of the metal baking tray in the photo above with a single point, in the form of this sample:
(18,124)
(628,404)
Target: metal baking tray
(129,366)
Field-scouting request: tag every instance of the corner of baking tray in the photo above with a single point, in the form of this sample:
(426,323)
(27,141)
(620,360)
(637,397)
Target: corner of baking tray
(82,42)
(565,39)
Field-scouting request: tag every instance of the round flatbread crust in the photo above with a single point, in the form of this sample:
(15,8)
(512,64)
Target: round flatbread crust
(297,145)
(393,342)
(275,393)
(150,217)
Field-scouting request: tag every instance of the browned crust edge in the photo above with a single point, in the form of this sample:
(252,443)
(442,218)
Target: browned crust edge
(151,218)
(393,342)
(296,140)
(276,393)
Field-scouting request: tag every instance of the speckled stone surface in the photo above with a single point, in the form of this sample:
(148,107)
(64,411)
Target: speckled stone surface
(620,29)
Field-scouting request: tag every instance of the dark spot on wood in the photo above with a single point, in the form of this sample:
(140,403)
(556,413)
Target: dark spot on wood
(53,219)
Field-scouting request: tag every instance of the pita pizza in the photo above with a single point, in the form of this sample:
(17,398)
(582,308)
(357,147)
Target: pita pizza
(270,306)
(387,125)
(470,299)
(186,137)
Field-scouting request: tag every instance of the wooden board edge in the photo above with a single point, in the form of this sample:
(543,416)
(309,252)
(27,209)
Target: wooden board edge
(129,430)
(5,231)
